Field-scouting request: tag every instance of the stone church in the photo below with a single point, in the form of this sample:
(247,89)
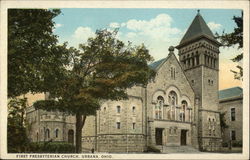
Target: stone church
(179,107)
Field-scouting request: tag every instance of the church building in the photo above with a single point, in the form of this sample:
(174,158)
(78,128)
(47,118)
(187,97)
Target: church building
(179,107)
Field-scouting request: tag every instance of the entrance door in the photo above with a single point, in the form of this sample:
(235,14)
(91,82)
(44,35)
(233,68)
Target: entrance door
(183,137)
(158,136)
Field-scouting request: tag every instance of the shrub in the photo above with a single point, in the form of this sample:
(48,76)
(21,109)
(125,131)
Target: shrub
(225,144)
(237,144)
(152,149)
(51,147)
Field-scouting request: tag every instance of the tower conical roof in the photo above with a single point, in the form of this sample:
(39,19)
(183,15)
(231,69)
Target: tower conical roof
(197,28)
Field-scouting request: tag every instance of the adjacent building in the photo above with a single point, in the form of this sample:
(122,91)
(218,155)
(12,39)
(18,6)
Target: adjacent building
(231,103)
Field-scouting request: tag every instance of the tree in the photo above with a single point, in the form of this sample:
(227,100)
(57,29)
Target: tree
(16,136)
(235,38)
(101,70)
(223,122)
(33,54)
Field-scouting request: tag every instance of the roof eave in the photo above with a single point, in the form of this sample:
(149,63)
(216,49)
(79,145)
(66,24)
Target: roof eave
(193,39)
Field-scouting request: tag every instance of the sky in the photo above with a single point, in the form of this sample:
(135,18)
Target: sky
(156,28)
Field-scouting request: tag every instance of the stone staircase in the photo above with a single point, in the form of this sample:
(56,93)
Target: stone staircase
(177,149)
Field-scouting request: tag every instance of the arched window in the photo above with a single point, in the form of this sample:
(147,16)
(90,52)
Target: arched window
(159,107)
(209,127)
(172,98)
(57,132)
(197,60)
(183,110)
(118,109)
(37,136)
(47,133)
(71,136)
(133,109)
(172,69)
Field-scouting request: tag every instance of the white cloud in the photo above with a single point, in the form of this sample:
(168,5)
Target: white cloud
(80,35)
(157,34)
(58,25)
(114,25)
(214,26)
(83,33)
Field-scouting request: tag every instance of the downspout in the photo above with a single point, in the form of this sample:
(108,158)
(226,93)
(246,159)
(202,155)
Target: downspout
(95,131)
(146,117)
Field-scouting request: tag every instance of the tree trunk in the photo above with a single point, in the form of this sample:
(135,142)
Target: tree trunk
(80,120)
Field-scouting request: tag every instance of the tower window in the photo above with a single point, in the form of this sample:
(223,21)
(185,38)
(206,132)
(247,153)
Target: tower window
(192,81)
(118,125)
(232,114)
(133,109)
(118,109)
(197,60)
(133,125)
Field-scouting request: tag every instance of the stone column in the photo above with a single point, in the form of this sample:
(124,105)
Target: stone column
(171,115)
(195,63)
(175,113)
(190,115)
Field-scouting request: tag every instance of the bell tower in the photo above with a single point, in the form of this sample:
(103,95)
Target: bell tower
(199,58)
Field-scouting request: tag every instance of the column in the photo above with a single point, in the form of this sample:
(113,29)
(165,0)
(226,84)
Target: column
(171,116)
(174,112)
(195,63)
(190,115)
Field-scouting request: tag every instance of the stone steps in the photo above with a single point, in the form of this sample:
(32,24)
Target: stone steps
(178,149)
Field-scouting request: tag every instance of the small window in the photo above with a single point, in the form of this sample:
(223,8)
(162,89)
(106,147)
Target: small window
(118,108)
(172,69)
(133,109)
(232,114)
(209,81)
(104,109)
(118,125)
(192,81)
(133,126)
(47,133)
(233,135)
(57,132)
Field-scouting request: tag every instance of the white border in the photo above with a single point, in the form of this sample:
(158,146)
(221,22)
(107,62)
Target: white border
(232,4)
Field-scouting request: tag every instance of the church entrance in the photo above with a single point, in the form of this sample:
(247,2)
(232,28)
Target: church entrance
(158,136)
(183,137)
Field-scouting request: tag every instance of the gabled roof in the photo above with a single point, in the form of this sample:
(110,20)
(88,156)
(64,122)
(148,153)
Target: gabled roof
(230,93)
(197,28)
(155,64)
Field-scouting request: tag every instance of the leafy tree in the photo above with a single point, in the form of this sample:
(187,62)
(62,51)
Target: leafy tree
(102,69)
(17,137)
(223,122)
(33,54)
(235,38)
